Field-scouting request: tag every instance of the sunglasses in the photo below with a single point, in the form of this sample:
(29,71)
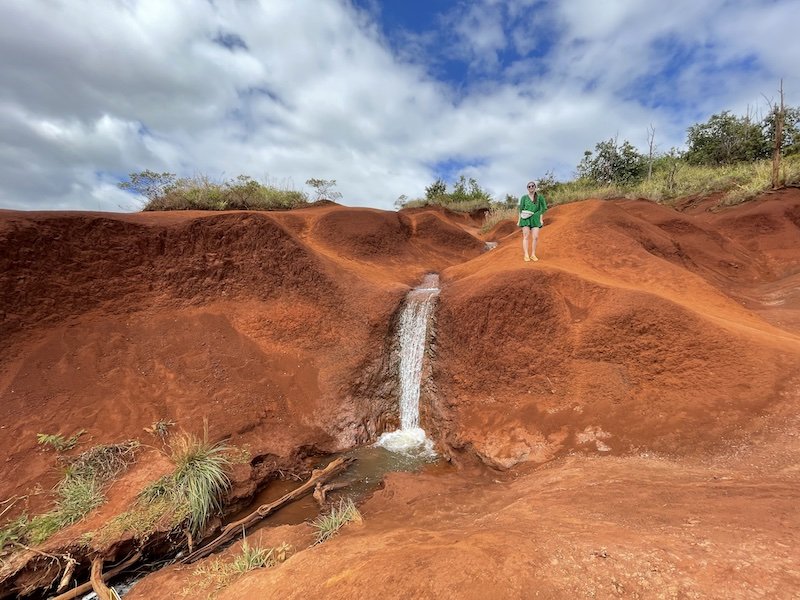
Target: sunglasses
(530,187)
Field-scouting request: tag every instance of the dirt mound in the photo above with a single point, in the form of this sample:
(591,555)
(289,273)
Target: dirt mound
(112,323)
(437,234)
(501,231)
(54,267)
(364,233)
(381,237)
(585,366)
(649,358)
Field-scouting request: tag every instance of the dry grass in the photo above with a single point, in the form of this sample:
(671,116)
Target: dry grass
(498,214)
(241,193)
(216,574)
(739,183)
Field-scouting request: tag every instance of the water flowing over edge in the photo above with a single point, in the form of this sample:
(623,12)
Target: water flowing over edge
(413,334)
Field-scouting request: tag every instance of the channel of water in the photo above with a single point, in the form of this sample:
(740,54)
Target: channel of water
(405,449)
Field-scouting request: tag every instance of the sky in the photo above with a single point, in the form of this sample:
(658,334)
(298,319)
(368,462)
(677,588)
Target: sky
(383,97)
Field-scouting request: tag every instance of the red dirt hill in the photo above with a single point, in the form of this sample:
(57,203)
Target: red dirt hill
(650,359)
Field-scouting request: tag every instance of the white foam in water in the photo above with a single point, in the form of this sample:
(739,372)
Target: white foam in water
(410,438)
(407,441)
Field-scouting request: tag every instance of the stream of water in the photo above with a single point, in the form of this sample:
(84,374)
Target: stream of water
(413,333)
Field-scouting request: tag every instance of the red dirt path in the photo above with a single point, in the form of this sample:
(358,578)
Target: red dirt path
(649,361)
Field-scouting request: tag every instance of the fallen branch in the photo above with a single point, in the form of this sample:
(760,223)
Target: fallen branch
(87,587)
(96,579)
(232,529)
(321,491)
(69,571)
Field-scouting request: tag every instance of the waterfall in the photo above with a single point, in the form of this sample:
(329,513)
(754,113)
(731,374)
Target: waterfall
(413,336)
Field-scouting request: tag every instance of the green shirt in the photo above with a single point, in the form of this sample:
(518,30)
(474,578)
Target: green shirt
(538,207)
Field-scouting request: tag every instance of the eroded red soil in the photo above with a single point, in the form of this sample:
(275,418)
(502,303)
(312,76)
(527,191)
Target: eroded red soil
(632,395)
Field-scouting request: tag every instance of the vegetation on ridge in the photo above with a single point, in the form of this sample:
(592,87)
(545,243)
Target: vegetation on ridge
(166,191)
(78,492)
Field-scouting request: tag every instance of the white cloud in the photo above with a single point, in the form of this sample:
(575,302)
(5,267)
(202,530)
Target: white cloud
(92,91)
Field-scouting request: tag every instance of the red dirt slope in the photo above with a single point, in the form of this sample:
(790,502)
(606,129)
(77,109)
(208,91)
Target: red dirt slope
(651,357)
(113,322)
(622,338)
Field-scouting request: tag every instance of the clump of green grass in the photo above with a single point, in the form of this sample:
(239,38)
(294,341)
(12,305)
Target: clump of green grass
(13,531)
(195,488)
(78,492)
(58,442)
(200,479)
(216,574)
(340,515)
(190,494)
(253,557)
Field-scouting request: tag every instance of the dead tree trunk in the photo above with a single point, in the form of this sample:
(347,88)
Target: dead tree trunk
(777,144)
(232,529)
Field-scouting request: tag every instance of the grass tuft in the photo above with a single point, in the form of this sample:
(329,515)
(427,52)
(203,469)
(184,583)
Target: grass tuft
(253,557)
(78,492)
(216,574)
(199,479)
(190,494)
(194,490)
(329,525)
(58,442)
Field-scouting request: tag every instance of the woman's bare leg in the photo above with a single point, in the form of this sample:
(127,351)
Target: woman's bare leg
(535,232)
(526,231)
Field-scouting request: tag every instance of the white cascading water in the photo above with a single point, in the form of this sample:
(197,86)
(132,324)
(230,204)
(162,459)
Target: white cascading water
(410,438)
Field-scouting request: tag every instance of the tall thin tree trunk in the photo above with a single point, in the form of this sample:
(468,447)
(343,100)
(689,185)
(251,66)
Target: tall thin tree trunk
(778,142)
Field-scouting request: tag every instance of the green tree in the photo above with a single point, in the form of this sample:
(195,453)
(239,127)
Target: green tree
(436,190)
(547,183)
(791,129)
(612,163)
(726,139)
(467,190)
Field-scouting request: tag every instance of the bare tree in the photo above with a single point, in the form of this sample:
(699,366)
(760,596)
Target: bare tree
(778,141)
(651,136)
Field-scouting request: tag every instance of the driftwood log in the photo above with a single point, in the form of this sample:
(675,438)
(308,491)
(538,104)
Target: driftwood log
(87,587)
(321,491)
(96,579)
(232,529)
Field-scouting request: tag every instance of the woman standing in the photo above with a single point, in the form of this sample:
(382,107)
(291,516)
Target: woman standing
(531,208)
